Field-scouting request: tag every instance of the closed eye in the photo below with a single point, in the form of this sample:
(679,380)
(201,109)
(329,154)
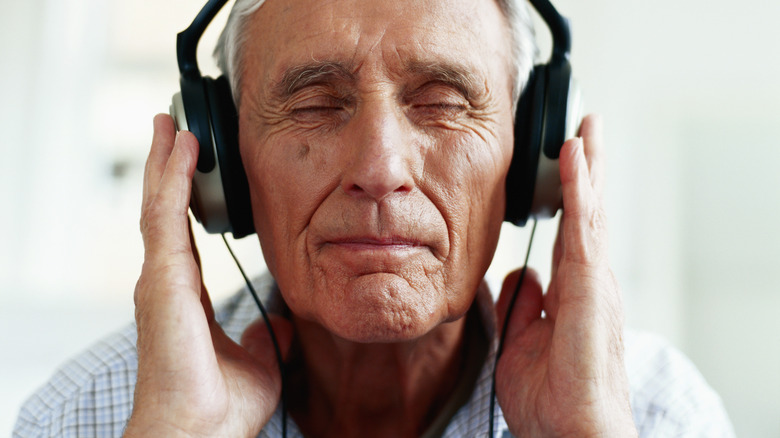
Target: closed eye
(444,106)
(319,109)
(316,109)
(437,102)
(438,96)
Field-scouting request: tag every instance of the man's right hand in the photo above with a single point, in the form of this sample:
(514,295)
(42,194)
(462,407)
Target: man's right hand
(192,379)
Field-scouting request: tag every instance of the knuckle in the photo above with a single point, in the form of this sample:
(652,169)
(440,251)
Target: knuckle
(591,239)
(152,218)
(138,290)
(143,223)
(597,219)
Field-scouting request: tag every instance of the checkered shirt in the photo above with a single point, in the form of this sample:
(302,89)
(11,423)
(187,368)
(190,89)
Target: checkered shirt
(92,395)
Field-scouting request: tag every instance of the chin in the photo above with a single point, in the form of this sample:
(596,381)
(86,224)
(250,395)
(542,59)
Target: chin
(386,311)
(380,328)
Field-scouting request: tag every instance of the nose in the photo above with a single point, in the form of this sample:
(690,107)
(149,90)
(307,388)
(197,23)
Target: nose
(381,160)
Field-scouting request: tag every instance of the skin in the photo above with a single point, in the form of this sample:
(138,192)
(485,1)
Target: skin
(392,195)
(394,154)
(376,142)
(563,372)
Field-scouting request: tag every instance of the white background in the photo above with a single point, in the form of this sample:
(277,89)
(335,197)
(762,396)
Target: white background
(691,98)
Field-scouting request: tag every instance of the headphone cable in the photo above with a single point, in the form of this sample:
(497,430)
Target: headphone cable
(277,350)
(504,329)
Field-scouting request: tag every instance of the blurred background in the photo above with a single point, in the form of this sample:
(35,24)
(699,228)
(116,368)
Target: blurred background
(690,94)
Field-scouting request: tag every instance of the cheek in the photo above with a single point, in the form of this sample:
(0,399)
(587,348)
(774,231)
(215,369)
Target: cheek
(468,188)
(288,181)
(462,182)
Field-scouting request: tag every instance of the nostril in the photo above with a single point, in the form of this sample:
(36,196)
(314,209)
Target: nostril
(354,190)
(375,191)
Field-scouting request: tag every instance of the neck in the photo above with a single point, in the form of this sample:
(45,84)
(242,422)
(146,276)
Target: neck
(342,388)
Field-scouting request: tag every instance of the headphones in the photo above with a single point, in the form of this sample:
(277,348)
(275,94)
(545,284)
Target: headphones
(548,112)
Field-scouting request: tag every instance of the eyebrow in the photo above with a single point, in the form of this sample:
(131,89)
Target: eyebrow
(300,76)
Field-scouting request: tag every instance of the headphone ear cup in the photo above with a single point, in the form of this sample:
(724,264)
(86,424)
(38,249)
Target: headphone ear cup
(548,113)
(224,120)
(556,107)
(529,121)
(560,116)
(220,193)
(190,112)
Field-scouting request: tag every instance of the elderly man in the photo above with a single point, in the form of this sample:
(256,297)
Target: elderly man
(376,137)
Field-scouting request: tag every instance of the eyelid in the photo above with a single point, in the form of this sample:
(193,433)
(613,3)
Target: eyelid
(319,102)
(440,93)
(317,107)
(312,97)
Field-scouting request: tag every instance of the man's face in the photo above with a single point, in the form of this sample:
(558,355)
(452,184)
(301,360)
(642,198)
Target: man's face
(376,136)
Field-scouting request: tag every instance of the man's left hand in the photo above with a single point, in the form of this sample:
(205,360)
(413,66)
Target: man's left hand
(562,371)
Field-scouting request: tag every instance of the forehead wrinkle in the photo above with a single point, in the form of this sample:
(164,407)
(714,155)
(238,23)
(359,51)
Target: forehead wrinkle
(299,76)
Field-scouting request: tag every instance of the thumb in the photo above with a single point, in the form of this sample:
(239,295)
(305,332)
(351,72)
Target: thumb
(528,304)
(258,343)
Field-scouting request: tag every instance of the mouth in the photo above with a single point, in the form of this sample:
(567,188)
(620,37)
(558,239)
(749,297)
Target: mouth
(366,239)
(368,254)
(374,243)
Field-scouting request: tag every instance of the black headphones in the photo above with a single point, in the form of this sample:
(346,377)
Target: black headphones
(548,113)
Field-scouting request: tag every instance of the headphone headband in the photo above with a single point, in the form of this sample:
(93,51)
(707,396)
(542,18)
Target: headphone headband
(547,114)
(559,28)
(187,40)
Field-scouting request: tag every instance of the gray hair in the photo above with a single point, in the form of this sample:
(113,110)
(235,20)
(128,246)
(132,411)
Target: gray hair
(233,37)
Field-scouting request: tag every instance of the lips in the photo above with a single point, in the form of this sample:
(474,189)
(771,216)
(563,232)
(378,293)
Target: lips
(367,249)
(370,242)
(378,229)
(362,231)
(359,255)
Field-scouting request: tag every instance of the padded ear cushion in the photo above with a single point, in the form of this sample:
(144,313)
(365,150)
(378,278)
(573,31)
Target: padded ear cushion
(196,109)
(224,121)
(529,120)
(547,195)
(556,109)
(207,200)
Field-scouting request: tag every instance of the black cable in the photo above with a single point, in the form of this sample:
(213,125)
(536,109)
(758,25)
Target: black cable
(277,350)
(505,326)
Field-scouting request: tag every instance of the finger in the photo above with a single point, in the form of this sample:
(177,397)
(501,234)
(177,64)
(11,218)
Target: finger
(583,231)
(165,223)
(550,304)
(528,305)
(205,300)
(591,132)
(162,145)
(557,249)
(176,180)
